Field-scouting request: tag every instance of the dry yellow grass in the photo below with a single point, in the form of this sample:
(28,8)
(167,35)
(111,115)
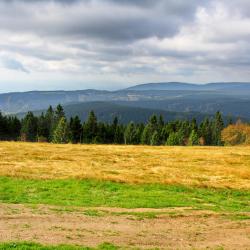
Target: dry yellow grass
(201,166)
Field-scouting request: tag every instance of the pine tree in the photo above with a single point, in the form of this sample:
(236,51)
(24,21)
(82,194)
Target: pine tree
(218,126)
(75,128)
(90,128)
(59,114)
(29,128)
(153,123)
(205,131)
(155,140)
(118,136)
(50,121)
(15,128)
(43,129)
(173,139)
(61,133)
(193,138)
(194,125)
(130,134)
(146,135)
(3,127)
(161,122)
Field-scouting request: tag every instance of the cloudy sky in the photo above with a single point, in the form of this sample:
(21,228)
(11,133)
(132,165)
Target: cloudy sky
(111,44)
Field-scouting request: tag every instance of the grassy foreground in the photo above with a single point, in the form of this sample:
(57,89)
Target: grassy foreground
(216,167)
(34,246)
(91,193)
(102,193)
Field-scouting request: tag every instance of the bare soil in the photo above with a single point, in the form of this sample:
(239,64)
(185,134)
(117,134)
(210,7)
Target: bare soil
(141,228)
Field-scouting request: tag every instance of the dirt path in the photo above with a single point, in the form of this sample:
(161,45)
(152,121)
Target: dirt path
(142,228)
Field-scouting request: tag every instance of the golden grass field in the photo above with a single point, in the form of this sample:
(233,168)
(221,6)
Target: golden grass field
(196,166)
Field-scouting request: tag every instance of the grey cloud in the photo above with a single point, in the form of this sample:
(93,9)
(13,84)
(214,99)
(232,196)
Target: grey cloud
(117,21)
(13,64)
(124,37)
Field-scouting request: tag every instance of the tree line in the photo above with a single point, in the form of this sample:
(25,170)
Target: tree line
(52,126)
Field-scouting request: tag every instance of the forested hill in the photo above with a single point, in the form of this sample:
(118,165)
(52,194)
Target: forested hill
(107,111)
(219,86)
(229,98)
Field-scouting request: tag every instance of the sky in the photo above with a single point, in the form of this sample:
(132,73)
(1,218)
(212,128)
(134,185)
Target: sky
(112,44)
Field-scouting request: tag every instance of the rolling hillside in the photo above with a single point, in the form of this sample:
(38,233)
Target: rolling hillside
(229,98)
(107,111)
(226,86)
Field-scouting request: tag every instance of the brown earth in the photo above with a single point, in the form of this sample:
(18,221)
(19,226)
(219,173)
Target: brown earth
(142,228)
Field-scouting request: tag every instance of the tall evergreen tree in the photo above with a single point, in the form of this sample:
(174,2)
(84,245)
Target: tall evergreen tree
(90,128)
(61,133)
(130,134)
(193,138)
(29,128)
(155,139)
(218,126)
(50,122)
(75,128)
(43,128)
(146,135)
(58,115)
(205,131)
(15,128)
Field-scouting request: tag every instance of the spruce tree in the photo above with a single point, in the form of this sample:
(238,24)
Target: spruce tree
(61,133)
(205,131)
(75,128)
(90,128)
(50,121)
(15,128)
(155,139)
(59,114)
(29,128)
(218,126)
(43,129)
(130,134)
(193,138)
(146,135)
(173,139)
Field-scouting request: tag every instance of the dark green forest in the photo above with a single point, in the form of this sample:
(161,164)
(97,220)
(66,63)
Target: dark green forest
(53,126)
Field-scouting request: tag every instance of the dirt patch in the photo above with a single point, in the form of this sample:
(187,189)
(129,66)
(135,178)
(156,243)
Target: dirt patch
(168,228)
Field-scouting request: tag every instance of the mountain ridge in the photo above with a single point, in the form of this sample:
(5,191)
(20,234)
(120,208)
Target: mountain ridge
(231,98)
(189,86)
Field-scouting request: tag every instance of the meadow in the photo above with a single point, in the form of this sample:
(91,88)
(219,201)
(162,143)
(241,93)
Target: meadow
(218,167)
(133,197)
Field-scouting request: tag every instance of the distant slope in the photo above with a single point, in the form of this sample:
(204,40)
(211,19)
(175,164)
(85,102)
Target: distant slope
(230,98)
(107,111)
(228,106)
(37,100)
(165,86)
(228,86)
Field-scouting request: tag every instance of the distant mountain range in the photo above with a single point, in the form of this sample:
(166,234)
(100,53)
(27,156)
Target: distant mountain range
(226,86)
(175,98)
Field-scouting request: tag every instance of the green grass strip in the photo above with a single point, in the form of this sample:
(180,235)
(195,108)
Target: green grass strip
(35,246)
(92,193)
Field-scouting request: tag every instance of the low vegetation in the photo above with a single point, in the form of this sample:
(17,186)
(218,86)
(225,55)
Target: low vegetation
(35,246)
(90,193)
